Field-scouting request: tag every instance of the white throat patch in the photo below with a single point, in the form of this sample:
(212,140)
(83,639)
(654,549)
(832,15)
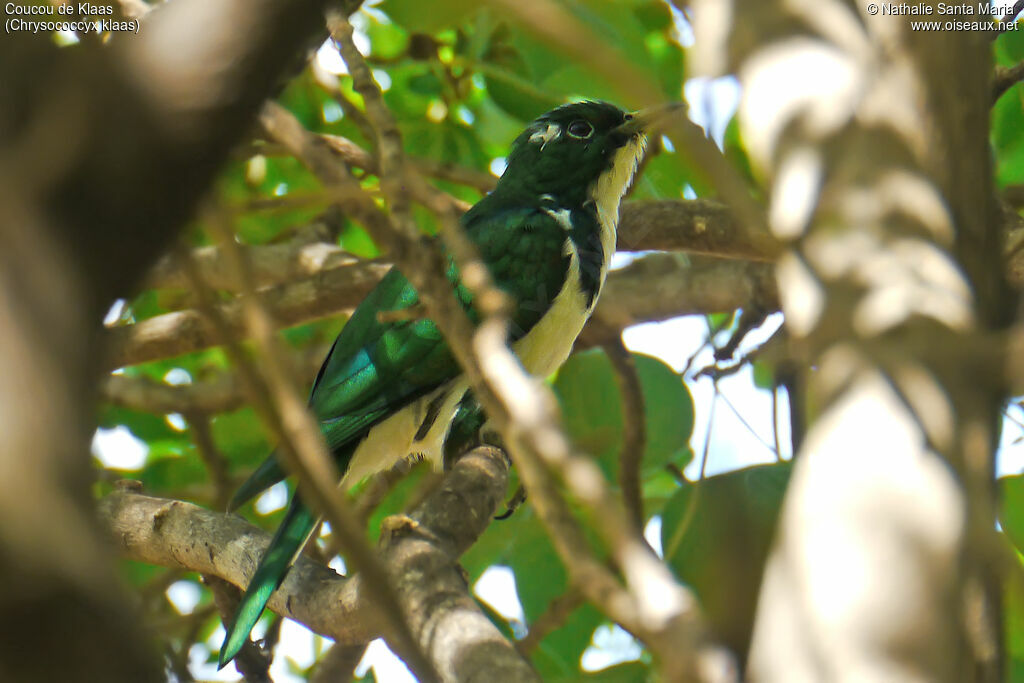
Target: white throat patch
(606,193)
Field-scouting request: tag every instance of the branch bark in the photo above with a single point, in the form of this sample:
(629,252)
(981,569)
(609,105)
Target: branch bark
(698,226)
(655,287)
(419,551)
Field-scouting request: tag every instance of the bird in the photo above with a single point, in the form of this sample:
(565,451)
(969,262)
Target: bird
(390,388)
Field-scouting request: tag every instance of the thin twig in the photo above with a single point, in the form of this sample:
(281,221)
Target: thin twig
(220,393)
(390,156)
(216,464)
(398,183)
(1005,78)
(634,432)
(354,155)
(551,619)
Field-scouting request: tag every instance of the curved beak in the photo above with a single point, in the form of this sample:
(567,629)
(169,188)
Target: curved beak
(651,119)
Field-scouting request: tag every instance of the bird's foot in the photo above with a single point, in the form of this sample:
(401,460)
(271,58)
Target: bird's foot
(395,525)
(517,499)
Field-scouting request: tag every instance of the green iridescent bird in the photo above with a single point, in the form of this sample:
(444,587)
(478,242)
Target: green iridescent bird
(390,390)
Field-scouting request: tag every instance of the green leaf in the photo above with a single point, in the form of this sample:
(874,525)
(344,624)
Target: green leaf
(511,75)
(449,141)
(736,152)
(521,543)
(304,98)
(1011,509)
(1009,48)
(592,406)
(557,657)
(1008,137)
(138,574)
(240,437)
(355,240)
(716,534)
(173,475)
(764,375)
(426,83)
(427,17)
(144,426)
(1013,618)
(387,39)
(396,499)
(1015,671)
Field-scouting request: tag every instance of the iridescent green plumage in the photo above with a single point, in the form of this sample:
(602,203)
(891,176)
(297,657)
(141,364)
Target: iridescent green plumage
(546,233)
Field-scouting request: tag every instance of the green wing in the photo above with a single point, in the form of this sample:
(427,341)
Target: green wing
(376,368)
(373,369)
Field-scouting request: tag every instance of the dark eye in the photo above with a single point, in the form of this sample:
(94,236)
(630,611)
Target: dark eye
(580,129)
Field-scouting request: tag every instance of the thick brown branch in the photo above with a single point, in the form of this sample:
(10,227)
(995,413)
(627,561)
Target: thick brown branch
(327,293)
(654,288)
(662,286)
(218,394)
(419,551)
(306,255)
(699,226)
(172,533)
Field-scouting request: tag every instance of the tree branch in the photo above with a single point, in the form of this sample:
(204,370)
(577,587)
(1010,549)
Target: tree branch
(634,433)
(327,293)
(1006,77)
(418,550)
(653,288)
(220,393)
(698,226)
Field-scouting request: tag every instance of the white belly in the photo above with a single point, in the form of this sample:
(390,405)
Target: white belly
(548,343)
(542,351)
(394,438)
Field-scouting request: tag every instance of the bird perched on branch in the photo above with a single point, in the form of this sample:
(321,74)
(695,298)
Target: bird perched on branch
(390,386)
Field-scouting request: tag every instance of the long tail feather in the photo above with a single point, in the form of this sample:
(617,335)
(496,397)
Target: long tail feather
(266,475)
(296,528)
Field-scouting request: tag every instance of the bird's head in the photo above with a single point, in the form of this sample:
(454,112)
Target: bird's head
(579,152)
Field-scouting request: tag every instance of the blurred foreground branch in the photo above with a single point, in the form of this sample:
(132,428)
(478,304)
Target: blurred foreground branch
(104,150)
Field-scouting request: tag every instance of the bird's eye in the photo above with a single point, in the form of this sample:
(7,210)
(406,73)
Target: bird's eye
(580,129)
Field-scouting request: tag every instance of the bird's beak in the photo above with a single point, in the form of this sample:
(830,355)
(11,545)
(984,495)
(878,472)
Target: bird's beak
(651,119)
